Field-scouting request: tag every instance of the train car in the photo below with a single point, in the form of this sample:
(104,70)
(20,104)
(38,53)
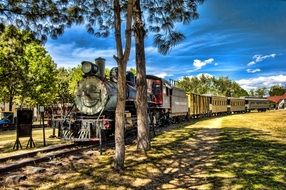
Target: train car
(179,103)
(218,104)
(235,105)
(198,105)
(160,90)
(255,103)
(168,103)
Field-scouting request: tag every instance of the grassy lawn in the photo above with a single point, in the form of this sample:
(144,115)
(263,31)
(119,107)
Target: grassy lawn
(252,150)
(7,141)
(246,151)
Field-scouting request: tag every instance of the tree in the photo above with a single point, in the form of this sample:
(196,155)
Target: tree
(13,68)
(260,92)
(133,70)
(251,92)
(107,73)
(143,142)
(227,87)
(277,90)
(27,68)
(75,75)
(222,86)
(41,17)
(121,58)
(161,19)
(64,82)
(41,75)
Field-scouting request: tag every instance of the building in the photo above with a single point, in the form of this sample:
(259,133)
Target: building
(279,101)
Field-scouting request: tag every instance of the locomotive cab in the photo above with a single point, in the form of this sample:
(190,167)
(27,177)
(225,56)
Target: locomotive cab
(157,92)
(160,91)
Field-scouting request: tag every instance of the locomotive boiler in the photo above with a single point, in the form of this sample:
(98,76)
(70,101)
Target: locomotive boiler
(95,102)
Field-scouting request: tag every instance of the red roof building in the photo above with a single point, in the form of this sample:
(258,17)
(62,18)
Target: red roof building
(278,100)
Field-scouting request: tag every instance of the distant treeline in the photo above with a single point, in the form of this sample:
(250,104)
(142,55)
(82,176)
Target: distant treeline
(204,84)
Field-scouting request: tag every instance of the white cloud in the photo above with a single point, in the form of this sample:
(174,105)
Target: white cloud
(259,58)
(251,63)
(151,50)
(267,82)
(161,75)
(198,75)
(199,63)
(68,55)
(253,70)
(92,53)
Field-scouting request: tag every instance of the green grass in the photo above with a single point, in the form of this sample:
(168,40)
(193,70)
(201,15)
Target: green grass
(246,151)
(7,141)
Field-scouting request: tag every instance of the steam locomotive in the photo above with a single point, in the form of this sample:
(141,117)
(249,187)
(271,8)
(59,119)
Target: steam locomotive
(93,116)
(95,103)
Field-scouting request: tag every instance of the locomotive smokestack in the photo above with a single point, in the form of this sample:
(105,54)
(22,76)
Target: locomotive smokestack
(100,62)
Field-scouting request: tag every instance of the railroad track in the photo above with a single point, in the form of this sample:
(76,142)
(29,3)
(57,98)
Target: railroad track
(12,163)
(16,162)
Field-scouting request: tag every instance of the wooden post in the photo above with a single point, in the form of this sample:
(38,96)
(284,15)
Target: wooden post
(43,124)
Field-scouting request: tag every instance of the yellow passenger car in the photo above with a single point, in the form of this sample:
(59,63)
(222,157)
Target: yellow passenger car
(235,105)
(218,104)
(198,105)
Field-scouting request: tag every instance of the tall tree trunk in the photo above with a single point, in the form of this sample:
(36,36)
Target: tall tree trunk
(120,119)
(121,59)
(11,97)
(143,140)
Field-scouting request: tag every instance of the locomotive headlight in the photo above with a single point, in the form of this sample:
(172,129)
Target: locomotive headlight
(89,68)
(86,67)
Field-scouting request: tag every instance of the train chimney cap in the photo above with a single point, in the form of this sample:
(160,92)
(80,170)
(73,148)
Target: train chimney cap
(99,59)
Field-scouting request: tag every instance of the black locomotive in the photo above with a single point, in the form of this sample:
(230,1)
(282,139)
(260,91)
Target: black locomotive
(95,103)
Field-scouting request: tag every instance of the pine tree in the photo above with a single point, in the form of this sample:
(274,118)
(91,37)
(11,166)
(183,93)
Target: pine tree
(161,18)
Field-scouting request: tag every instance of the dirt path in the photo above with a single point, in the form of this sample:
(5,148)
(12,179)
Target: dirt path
(207,138)
(195,158)
(182,158)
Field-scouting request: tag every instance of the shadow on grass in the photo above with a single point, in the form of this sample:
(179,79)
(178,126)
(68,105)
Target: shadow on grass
(186,158)
(255,162)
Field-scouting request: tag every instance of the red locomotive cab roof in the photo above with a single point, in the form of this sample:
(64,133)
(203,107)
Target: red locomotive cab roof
(164,82)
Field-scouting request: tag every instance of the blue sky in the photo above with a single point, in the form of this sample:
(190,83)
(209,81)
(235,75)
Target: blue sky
(242,39)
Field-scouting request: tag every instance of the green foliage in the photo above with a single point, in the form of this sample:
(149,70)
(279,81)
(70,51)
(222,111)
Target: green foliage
(107,73)
(133,70)
(63,82)
(50,18)
(75,77)
(26,71)
(260,92)
(41,75)
(277,90)
(251,92)
(13,66)
(162,17)
(211,85)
